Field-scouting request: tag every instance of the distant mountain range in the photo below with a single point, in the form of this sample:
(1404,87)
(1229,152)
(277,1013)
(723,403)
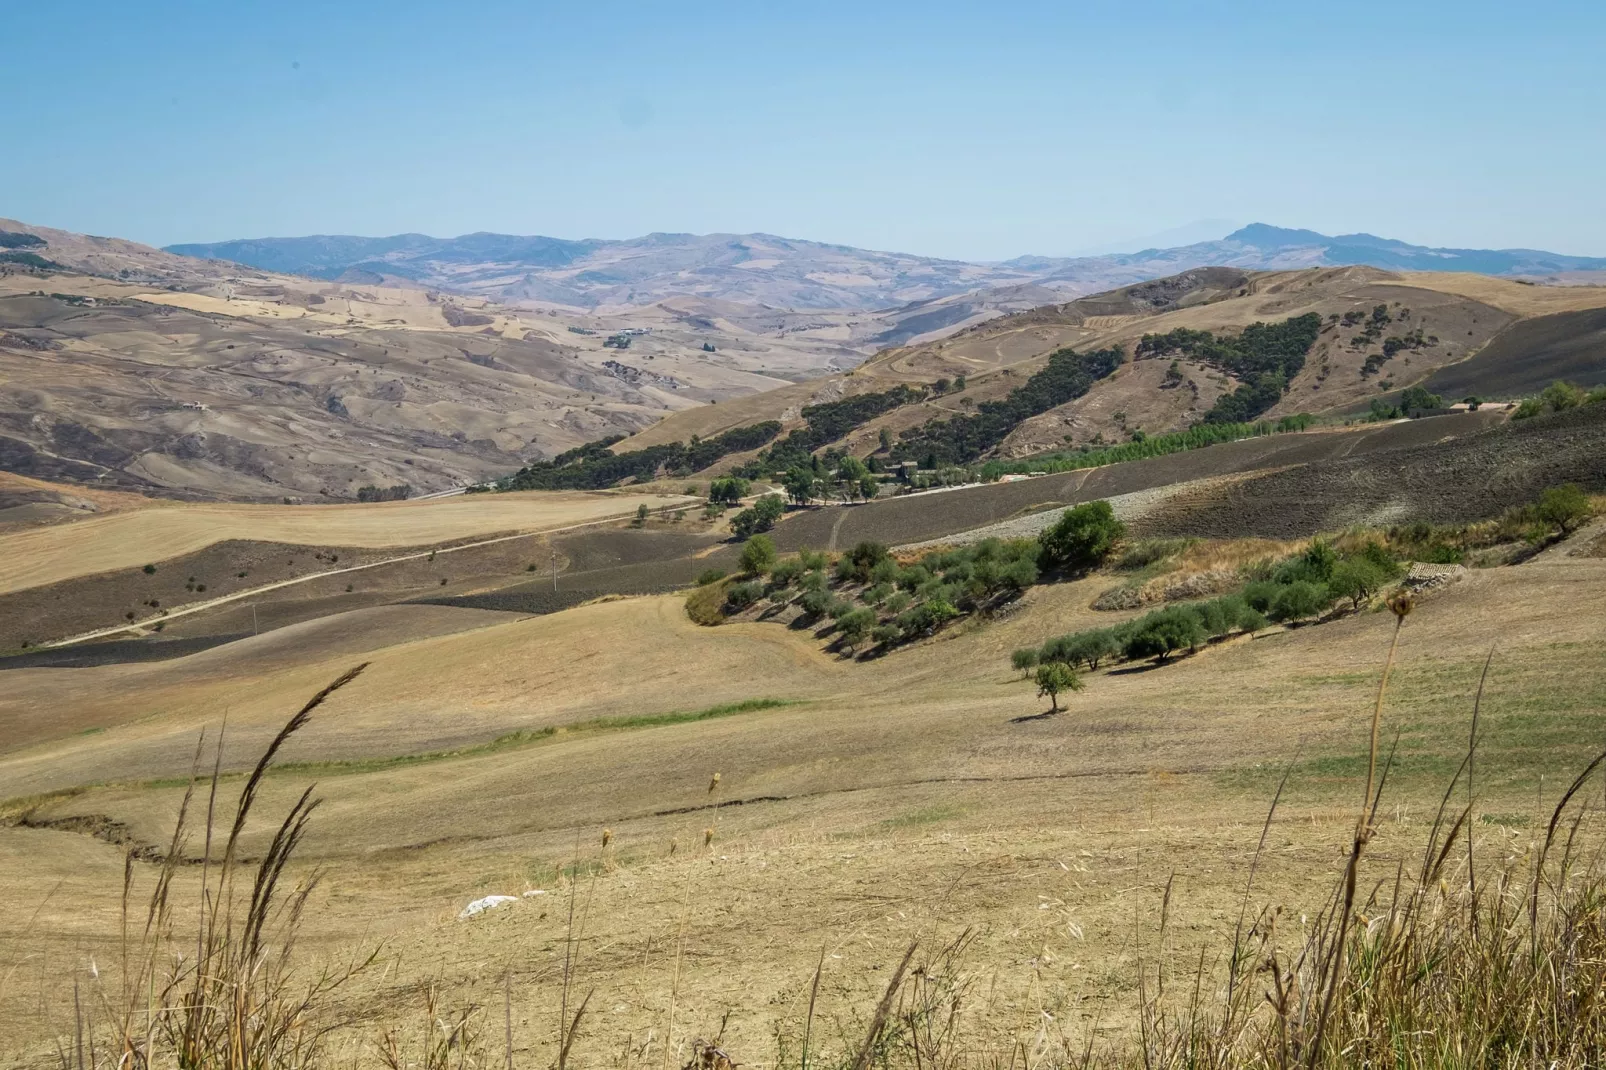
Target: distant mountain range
(777,272)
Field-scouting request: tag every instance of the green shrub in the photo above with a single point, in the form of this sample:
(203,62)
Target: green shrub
(1082,538)
(813,559)
(1356,579)
(1054,678)
(712,575)
(1300,599)
(1564,507)
(742,595)
(855,626)
(877,594)
(758,555)
(912,578)
(786,573)
(1315,565)
(1559,396)
(926,617)
(1260,594)
(1160,634)
(884,571)
(728,490)
(898,602)
(886,633)
(1024,660)
(816,603)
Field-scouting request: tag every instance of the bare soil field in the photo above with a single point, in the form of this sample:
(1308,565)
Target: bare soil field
(917,518)
(899,798)
(1530,355)
(1450,482)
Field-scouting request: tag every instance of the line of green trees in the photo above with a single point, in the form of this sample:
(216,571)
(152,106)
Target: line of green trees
(1195,437)
(1298,588)
(962,439)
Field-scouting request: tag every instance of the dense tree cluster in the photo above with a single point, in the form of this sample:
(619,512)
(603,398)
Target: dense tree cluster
(824,424)
(962,439)
(760,516)
(371,493)
(1265,356)
(594,466)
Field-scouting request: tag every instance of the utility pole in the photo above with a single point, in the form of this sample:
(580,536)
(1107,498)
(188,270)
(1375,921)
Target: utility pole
(554,572)
(254,630)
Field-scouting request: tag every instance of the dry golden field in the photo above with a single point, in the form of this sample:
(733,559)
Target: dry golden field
(143,531)
(884,801)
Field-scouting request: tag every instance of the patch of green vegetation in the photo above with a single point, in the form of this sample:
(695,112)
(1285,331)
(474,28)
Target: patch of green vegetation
(1265,356)
(33,260)
(1196,437)
(594,466)
(824,424)
(963,439)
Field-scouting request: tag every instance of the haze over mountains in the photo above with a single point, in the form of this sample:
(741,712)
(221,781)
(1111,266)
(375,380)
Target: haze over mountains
(767,270)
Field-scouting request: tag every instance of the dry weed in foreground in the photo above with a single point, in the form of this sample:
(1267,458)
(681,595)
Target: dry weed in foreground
(230,999)
(1420,966)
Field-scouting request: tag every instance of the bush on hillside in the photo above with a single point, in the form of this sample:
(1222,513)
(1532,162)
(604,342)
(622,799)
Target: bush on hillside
(1565,507)
(1082,538)
(1299,600)
(758,555)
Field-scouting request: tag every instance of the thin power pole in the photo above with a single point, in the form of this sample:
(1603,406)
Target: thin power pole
(554,571)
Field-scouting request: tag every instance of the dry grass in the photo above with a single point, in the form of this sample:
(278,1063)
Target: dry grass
(133,538)
(900,804)
(1413,973)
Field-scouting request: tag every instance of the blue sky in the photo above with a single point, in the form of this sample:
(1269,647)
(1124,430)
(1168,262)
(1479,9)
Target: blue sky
(972,130)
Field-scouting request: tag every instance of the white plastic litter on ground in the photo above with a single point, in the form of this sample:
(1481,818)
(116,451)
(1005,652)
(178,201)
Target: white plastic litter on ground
(490,902)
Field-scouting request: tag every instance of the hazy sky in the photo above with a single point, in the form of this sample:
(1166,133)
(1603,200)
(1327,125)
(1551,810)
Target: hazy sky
(980,131)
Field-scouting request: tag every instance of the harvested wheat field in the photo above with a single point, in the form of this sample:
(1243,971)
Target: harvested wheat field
(131,538)
(857,806)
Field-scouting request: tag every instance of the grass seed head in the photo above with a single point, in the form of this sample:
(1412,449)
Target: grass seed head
(708,837)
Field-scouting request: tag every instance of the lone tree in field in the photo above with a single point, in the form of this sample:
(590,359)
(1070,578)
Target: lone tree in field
(1083,537)
(1054,677)
(758,555)
(1566,507)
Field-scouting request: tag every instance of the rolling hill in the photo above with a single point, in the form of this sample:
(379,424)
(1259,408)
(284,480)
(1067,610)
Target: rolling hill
(1379,332)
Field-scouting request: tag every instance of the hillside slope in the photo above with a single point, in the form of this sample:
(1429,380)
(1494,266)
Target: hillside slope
(133,367)
(1380,332)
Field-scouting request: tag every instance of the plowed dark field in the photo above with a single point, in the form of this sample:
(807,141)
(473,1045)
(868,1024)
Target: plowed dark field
(1530,355)
(932,516)
(1461,480)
